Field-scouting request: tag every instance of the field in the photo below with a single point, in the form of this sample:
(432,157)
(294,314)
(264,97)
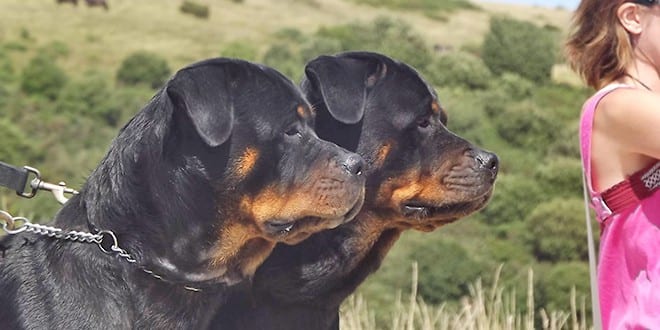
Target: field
(100,39)
(518,264)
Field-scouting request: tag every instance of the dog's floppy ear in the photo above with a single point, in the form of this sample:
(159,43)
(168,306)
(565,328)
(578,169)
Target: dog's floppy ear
(205,94)
(343,83)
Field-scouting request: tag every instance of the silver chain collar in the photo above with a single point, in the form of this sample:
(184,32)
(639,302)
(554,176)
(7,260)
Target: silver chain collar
(16,225)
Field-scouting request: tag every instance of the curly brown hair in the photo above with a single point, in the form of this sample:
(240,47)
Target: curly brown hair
(598,47)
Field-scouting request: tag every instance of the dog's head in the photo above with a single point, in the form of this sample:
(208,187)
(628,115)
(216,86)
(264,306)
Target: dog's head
(290,183)
(419,174)
(226,162)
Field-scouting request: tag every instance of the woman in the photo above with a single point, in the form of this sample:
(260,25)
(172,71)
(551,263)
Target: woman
(615,47)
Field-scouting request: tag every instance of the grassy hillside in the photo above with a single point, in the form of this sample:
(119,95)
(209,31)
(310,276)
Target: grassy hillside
(100,39)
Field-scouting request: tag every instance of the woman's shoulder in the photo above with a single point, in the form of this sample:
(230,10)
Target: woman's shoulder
(624,103)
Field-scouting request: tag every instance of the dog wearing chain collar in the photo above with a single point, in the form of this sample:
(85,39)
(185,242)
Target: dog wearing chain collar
(197,188)
(420,176)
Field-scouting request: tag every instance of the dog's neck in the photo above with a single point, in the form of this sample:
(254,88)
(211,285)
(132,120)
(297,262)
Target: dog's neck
(372,227)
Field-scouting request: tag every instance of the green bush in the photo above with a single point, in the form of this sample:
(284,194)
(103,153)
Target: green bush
(143,68)
(426,5)
(395,38)
(55,49)
(319,46)
(238,49)
(195,9)
(564,100)
(519,47)
(43,77)
(514,86)
(526,126)
(556,230)
(285,59)
(445,271)
(555,285)
(567,144)
(15,148)
(6,68)
(560,176)
(88,97)
(515,197)
(459,69)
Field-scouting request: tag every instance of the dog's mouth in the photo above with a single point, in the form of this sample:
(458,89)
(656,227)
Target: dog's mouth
(442,213)
(293,231)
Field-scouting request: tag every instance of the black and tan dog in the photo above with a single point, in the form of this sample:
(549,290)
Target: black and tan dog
(198,187)
(419,176)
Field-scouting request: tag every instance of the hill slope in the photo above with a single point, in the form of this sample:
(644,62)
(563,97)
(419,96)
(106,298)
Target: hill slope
(101,39)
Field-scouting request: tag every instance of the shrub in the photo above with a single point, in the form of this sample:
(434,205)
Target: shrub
(560,176)
(282,57)
(395,38)
(459,69)
(513,85)
(15,147)
(55,49)
(445,271)
(6,68)
(515,197)
(143,68)
(555,285)
(526,126)
(238,49)
(195,9)
(319,46)
(567,144)
(88,97)
(519,47)
(43,77)
(556,230)
(426,5)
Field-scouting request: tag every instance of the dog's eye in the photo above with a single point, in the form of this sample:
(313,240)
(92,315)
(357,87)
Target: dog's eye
(423,123)
(293,131)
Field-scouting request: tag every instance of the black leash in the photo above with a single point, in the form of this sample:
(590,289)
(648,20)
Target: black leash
(14,178)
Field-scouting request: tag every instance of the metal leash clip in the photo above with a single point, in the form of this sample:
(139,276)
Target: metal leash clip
(37,184)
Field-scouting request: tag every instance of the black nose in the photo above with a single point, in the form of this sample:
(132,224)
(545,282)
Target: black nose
(488,161)
(354,164)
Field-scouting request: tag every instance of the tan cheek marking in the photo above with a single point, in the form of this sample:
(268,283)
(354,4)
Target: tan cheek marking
(406,192)
(432,190)
(382,154)
(435,107)
(302,112)
(233,236)
(267,205)
(246,162)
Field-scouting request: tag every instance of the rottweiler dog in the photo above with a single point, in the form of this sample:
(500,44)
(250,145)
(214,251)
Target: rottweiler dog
(197,188)
(419,176)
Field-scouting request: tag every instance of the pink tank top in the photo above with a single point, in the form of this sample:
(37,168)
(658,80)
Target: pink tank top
(629,253)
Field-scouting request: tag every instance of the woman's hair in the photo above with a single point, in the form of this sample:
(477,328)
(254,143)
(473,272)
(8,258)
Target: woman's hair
(598,47)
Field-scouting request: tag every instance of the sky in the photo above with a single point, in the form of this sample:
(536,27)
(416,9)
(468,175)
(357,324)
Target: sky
(568,4)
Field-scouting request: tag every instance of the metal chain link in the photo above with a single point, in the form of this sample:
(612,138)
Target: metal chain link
(9,225)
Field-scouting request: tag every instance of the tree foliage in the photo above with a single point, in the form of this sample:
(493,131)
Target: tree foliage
(556,230)
(143,68)
(43,77)
(520,47)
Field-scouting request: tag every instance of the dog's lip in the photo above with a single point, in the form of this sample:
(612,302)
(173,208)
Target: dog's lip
(423,209)
(280,226)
